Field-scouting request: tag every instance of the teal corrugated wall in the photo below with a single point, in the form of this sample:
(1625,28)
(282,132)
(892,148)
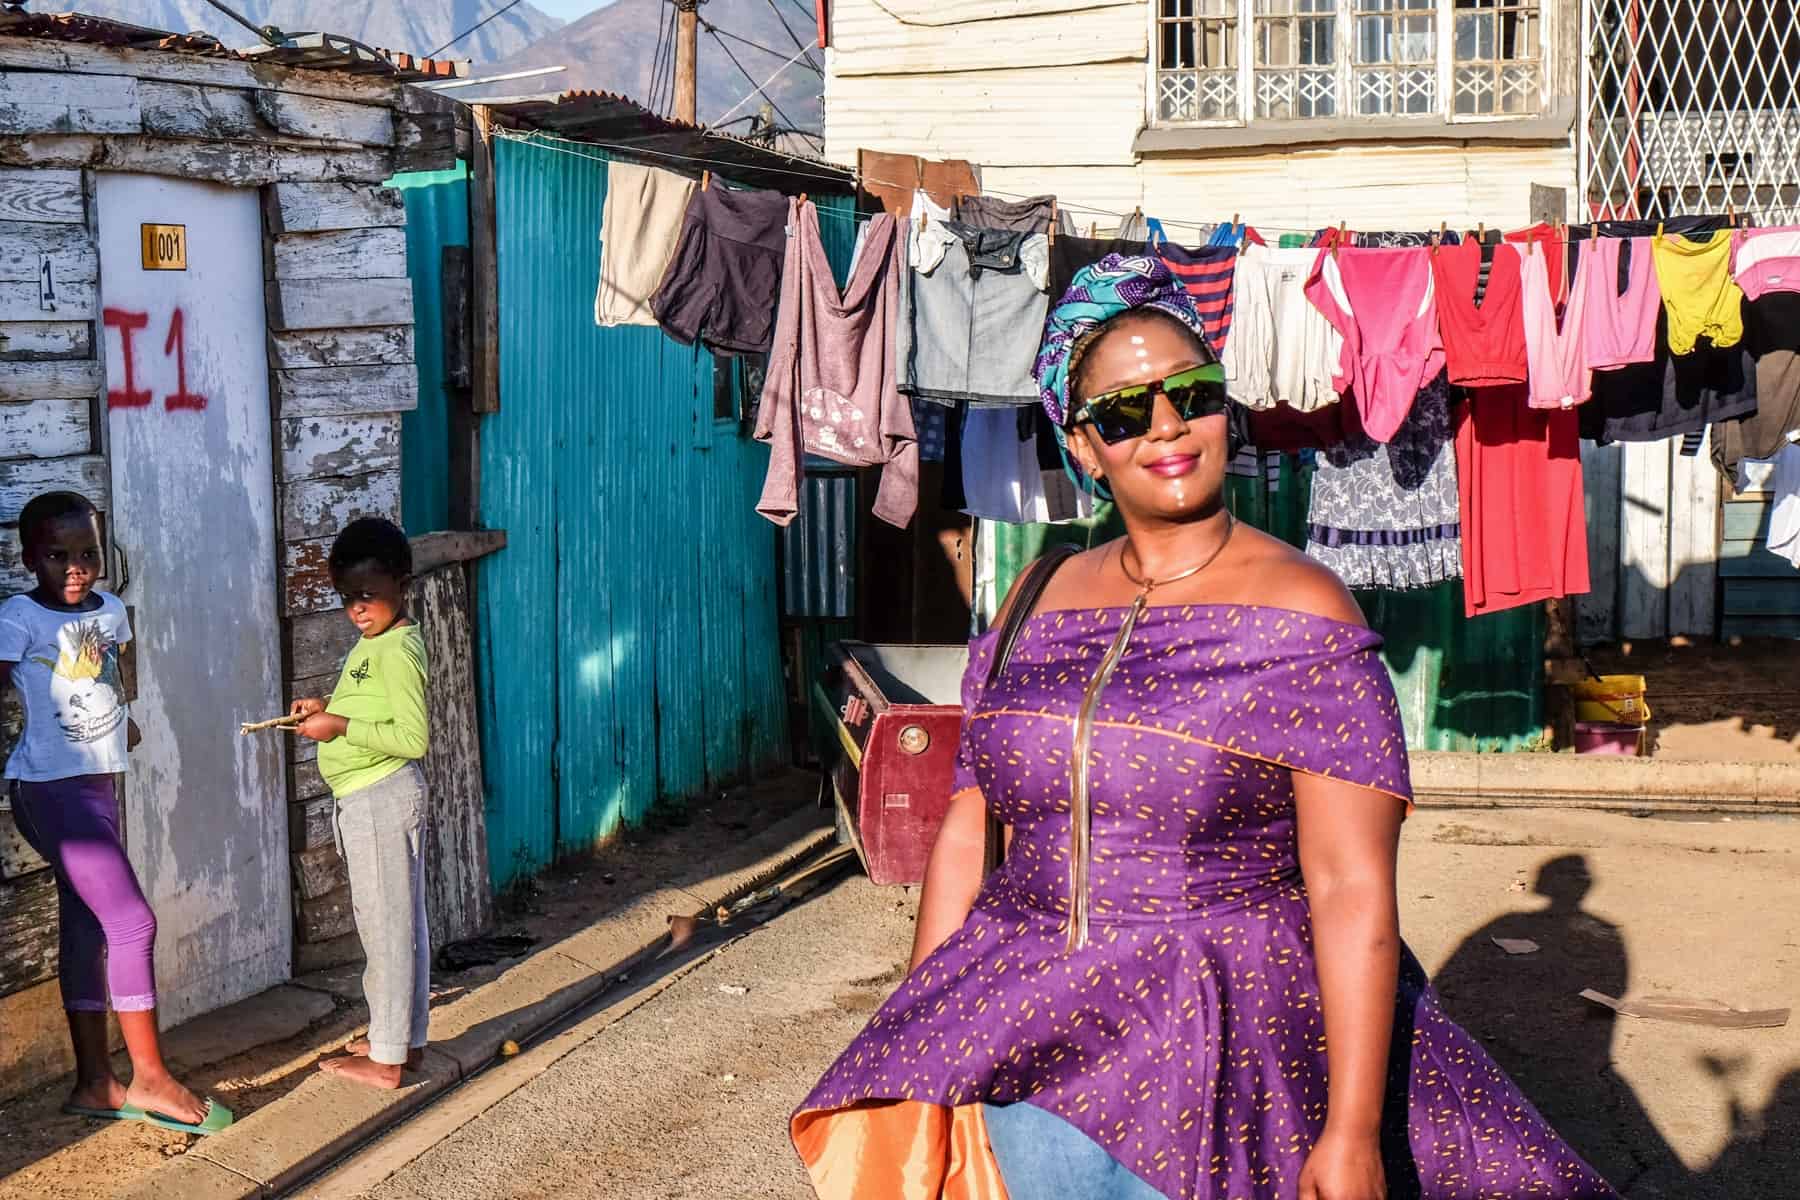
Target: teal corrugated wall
(1462,684)
(437,215)
(628,632)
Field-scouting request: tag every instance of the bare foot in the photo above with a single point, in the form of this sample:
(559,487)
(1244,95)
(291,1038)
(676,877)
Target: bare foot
(365,1071)
(415,1058)
(98,1093)
(165,1097)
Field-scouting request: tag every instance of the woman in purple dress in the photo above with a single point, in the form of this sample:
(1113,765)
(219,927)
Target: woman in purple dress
(1187,979)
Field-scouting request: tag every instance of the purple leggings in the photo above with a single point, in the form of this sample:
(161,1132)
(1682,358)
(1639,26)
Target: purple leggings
(108,933)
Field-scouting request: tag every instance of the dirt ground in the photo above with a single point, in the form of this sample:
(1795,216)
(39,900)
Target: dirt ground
(687,1097)
(1717,701)
(47,1156)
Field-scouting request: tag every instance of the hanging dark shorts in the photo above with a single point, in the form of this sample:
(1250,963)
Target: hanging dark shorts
(723,285)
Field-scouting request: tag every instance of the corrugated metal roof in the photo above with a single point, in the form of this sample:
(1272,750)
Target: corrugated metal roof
(306,51)
(627,128)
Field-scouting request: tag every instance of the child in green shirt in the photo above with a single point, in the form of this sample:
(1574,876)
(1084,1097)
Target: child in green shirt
(371,734)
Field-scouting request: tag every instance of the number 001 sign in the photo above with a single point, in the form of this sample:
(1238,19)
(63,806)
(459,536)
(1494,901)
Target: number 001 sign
(165,247)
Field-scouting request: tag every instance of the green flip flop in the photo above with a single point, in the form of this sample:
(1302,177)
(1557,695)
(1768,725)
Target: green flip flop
(126,1112)
(217,1117)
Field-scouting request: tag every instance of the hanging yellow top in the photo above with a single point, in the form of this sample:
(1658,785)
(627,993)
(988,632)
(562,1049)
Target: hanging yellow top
(1698,291)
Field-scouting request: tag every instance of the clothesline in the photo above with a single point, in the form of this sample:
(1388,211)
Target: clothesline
(1743,220)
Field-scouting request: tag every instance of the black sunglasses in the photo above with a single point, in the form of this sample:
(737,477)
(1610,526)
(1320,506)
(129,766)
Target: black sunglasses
(1126,413)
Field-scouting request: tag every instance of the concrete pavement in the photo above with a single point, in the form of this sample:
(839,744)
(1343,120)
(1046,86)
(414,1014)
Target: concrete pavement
(684,1095)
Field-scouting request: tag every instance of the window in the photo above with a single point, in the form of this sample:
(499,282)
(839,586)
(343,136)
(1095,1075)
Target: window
(1296,59)
(1496,69)
(1198,44)
(1231,62)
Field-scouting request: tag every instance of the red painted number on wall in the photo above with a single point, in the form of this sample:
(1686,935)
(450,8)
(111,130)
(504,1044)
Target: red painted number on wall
(129,396)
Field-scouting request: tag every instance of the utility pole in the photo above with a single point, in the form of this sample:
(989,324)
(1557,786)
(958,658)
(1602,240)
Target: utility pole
(687,46)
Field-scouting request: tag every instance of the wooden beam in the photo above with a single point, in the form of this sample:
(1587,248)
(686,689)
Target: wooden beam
(306,577)
(25,244)
(424,141)
(36,195)
(52,380)
(345,391)
(21,480)
(24,301)
(27,341)
(326,120)
(1693,546)
(376,345)
(339,303)
(36,54)
(319,207)
(39,102)
(316,646)
(316,508)
(485,282)
(47,428)
(27,932)
(233,163)
(315,447)
(1644,540)
(442,549)
(185,110)
(342,254)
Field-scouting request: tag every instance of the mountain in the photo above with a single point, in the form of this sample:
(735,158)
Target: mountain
(614,50)
(413,26)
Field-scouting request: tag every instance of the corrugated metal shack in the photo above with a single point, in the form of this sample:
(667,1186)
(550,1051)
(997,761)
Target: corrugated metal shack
(628,636)
(206,327)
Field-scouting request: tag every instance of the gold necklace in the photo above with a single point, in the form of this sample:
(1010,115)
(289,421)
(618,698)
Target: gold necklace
(1081,822)
(1146,586)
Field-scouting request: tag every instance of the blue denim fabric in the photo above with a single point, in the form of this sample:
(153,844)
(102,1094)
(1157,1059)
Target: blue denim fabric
(1043,1157)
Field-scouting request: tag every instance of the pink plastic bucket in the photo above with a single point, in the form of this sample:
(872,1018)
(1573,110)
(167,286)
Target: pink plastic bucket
(1595,737)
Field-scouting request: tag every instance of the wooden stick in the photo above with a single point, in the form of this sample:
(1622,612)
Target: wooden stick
(287,722)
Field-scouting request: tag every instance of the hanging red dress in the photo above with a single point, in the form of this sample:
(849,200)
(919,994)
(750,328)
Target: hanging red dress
(1524,525)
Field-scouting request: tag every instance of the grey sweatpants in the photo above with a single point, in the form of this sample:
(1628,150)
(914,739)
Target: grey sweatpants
(381,834)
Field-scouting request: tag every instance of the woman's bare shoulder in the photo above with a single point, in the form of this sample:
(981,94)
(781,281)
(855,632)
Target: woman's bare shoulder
(1283,577)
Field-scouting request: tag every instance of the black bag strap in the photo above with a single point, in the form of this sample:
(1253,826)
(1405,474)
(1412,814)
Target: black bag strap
(1026,595)
(1024,604)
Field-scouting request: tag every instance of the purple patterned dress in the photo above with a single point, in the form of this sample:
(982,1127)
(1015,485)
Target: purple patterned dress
(1186,1037)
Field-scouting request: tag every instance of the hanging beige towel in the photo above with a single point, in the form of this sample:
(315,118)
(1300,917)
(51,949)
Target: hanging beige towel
(638,229)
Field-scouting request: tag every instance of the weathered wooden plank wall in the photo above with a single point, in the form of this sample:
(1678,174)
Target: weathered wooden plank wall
(459,896)
(50,392)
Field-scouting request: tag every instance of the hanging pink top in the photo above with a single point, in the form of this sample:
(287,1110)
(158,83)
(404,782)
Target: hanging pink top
(1766,260)
(1383,303)
(1559,372)
(1620,328)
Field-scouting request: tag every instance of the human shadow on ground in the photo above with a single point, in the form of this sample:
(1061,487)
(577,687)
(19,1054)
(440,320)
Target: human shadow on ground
(1528,1013)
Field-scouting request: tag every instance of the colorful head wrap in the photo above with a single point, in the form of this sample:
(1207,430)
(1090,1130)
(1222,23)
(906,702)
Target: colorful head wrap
(1117,283)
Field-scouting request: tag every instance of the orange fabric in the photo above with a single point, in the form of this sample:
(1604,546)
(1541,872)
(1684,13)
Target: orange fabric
(899,1150)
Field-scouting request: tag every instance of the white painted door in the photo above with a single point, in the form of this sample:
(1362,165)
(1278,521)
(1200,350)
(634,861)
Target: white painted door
(194,517)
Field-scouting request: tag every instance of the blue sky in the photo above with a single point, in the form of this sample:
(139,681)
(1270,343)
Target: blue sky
(568,10)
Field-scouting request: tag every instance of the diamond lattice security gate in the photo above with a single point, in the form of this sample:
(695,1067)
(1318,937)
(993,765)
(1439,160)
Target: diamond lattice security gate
(1691,106)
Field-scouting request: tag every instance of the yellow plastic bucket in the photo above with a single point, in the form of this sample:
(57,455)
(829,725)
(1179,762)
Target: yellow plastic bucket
(1612,699)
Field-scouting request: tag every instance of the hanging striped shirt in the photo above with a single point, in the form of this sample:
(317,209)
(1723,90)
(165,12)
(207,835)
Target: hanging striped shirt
(1207,276)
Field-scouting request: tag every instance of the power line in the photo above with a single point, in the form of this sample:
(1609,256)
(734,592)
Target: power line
(511,4)
(782,17)
(747,75)
(717,32)
(659,61)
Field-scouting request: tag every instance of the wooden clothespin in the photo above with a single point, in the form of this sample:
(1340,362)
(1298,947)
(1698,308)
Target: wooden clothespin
(1054,210)
(1137,213)
(1438,239)
(1343,231)
(705,180)
(1093,229)
(802,199)
(1481,231)
(1731,213)
(1659,231)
